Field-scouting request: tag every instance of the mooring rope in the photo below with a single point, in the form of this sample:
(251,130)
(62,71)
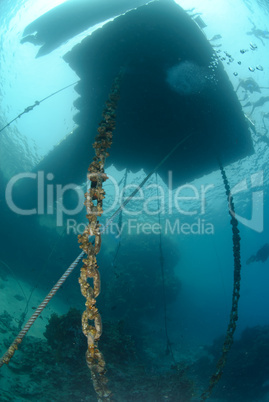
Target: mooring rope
(236,292)
(14,346)
(37,103)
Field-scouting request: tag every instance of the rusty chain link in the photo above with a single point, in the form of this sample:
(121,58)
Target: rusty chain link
(94,207)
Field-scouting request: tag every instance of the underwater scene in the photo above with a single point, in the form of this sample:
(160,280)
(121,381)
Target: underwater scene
(134,148)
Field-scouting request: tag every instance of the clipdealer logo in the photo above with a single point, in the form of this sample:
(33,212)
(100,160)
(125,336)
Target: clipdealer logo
(50,197)
(47,194)
(186,200)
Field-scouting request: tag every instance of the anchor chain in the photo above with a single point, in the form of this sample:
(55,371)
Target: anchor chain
(94,207)
(236,292)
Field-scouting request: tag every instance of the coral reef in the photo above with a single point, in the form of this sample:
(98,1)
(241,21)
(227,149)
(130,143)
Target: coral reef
(54,369)
(65,338)
(6,323)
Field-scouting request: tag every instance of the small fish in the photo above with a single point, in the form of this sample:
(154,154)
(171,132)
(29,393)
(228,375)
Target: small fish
(259,67)
(243,51)
(253,46)
(215,37)
(190,10)
(251,69)
(250,123)
(227,54)
(239,62)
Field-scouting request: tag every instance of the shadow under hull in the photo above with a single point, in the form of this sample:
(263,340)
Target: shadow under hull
(173,86)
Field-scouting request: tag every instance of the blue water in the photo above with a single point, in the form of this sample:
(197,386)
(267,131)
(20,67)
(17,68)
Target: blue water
(198,264)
